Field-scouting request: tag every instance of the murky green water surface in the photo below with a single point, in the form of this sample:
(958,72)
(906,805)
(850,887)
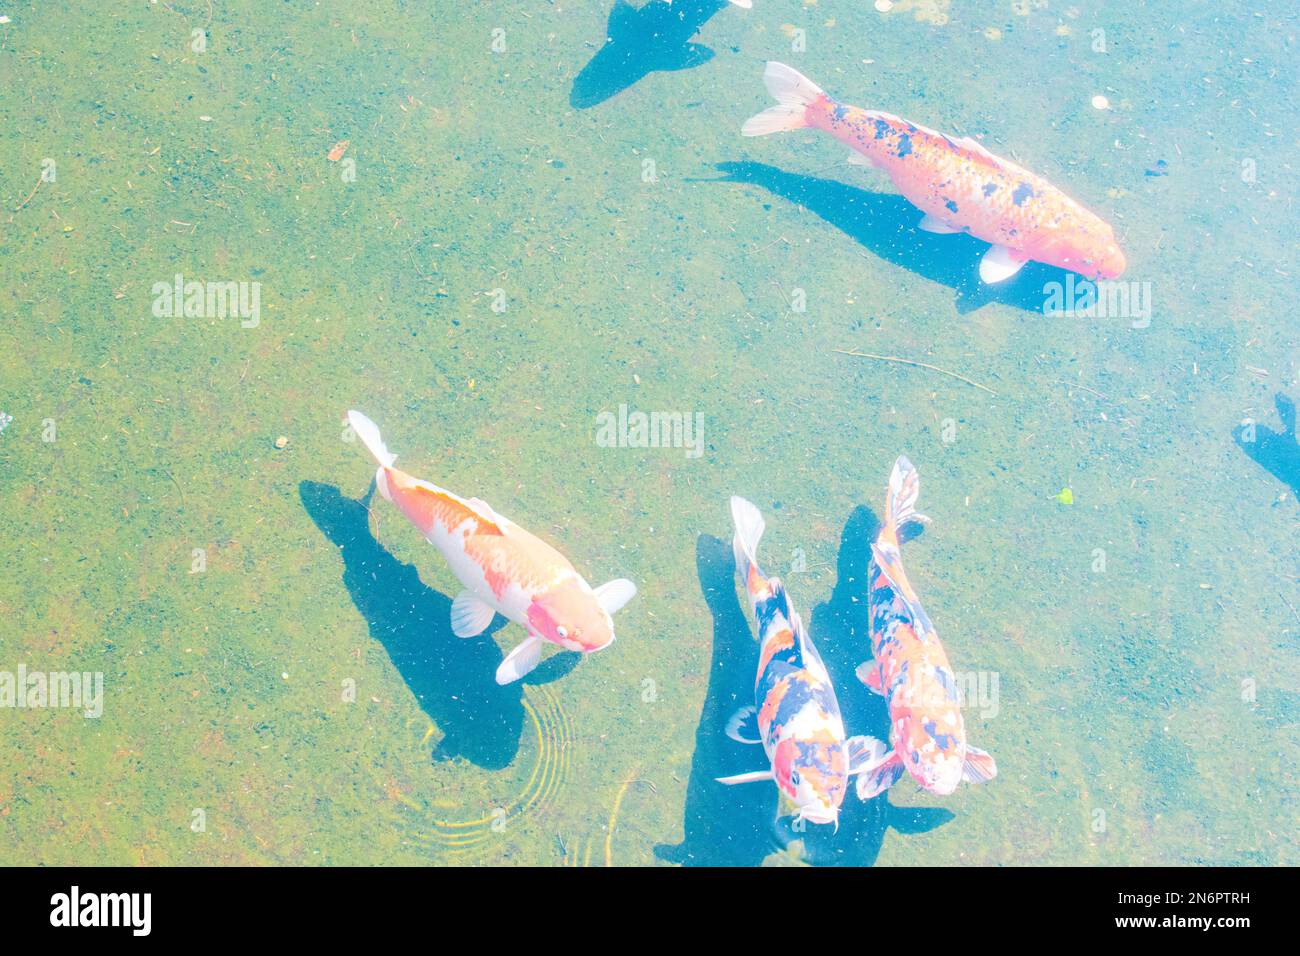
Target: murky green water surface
(525,231)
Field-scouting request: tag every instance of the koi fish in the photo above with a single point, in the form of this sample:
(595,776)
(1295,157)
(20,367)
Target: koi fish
(505,570)
(795,715)
(910,668)
(958,184)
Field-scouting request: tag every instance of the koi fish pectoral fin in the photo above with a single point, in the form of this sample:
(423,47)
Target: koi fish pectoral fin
(878,779)
(613,595)
(470,615)
(521,660)
(865,753)
(752,777)
(742,726)
(936,225)
(869,673)
(979,766)
(1000,264)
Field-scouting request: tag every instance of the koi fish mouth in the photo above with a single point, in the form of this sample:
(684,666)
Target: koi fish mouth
(816,813)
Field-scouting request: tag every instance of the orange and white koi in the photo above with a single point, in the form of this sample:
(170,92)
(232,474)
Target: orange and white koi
(911,669)
(795,715)
(504,569)
(958,184)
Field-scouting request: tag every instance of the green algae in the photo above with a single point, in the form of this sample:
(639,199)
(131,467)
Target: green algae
(1125,733)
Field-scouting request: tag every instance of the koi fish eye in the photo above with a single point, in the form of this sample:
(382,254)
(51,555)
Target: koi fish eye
(562,632)
(794,777)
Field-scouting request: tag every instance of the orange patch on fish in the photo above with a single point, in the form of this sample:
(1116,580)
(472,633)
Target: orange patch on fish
(779,641)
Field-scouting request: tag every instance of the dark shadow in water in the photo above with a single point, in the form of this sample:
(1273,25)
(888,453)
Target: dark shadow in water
(724,826)
(1276,452)
(738,826)
(453,679)
(886,225)
(641,41)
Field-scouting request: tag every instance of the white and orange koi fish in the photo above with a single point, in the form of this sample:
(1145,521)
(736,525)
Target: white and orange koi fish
(910,668)
(957,183)
(795,714)
(505,569)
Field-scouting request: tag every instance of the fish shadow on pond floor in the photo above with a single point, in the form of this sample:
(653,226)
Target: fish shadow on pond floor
(453,679)
(886,225)
(738,826)
(1276,452)
(639,41)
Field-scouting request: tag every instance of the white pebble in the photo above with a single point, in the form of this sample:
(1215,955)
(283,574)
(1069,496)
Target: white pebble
(884,6)
(1100,102)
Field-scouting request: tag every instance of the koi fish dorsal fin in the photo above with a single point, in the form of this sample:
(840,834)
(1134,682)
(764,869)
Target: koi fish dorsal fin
(974,150)
(905,126)
(485,510)
(808,654)
(489,522)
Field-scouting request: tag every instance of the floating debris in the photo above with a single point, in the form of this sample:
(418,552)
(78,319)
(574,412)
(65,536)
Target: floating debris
(341,147)
(1161,168)
(1065,496)
(1100,102)
(282,442)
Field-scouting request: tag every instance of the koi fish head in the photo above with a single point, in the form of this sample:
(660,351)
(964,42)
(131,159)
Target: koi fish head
(570,615)
(1091,250)
(932,757)
(814,775)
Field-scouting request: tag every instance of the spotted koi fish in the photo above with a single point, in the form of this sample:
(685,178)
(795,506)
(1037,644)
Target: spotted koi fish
(958,184)
(910,668)
(504,569)
(795,715)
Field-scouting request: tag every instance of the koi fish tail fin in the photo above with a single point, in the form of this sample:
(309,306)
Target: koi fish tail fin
(368,432)
(749,528)
(793,93)
(747,4)
(904,489)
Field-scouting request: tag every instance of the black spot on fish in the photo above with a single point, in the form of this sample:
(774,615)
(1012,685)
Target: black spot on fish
(951,206)
(1023,191)
(882,128)
(904,146)
(990,188)
(840,112)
